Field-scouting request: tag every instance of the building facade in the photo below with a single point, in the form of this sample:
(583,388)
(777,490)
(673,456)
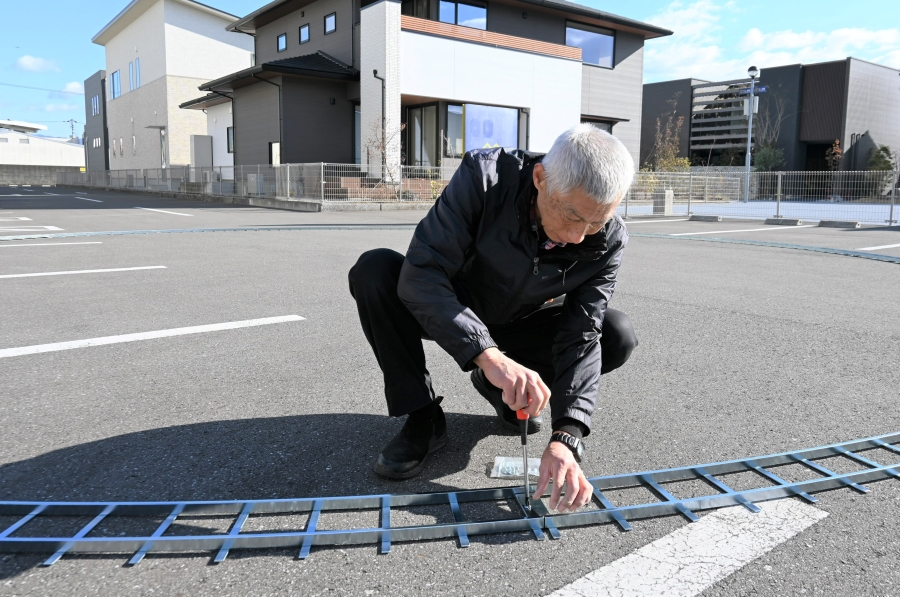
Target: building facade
(422,81)
(157,53)
(96,132)
(803,110)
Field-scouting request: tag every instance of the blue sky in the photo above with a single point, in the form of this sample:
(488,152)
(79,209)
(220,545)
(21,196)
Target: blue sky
(50,44)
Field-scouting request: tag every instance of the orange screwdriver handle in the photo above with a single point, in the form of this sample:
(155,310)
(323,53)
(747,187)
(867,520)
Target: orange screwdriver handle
(522,415)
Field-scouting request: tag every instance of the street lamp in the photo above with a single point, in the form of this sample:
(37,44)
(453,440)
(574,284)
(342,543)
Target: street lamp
(753,72)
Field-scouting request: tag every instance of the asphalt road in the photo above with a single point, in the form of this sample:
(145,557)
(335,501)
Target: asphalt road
(745,350)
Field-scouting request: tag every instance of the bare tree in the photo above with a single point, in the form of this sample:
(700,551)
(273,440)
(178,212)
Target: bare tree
(380,142)
(667,143)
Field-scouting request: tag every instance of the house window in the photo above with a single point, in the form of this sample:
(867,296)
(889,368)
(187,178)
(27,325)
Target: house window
(453,144)
(95,105)
(137,73)
(603,125)
(130,76)
(121,147)
(134,145)
(25,141)
(490,126)
(304,33)
(115,89)
(597,44)
(330,23)
(467,14)
(423,133)
(230,138)
(5,140)
(282,42)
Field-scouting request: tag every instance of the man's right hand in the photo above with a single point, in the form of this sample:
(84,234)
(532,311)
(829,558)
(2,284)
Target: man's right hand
(522,387)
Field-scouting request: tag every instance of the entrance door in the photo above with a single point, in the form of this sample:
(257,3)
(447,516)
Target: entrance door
(423,145)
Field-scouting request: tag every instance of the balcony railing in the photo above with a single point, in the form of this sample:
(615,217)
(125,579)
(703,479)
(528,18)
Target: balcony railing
(488,38)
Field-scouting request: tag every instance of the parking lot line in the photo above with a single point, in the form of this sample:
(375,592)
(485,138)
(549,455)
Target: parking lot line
(198,329)
(96,242)
(686,562)
(881,247)
(770,228)
(30,229)
(162,211)
(86,199)
(16,219)
(83,271)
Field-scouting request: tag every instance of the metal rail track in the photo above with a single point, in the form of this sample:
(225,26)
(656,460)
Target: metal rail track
(536,520)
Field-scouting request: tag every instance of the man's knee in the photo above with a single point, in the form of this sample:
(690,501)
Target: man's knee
(375,269)
(618,340)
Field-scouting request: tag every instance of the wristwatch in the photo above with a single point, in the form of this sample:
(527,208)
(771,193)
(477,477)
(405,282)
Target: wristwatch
(571,442)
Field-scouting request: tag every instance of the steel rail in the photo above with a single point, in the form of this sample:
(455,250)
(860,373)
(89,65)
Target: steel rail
(536,520)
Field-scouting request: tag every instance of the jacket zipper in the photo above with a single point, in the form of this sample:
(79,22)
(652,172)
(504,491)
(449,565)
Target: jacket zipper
(537,261)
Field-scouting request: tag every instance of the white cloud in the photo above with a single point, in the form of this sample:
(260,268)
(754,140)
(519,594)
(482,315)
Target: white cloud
(697,48)
(32,64)
(68,90)
(61,107)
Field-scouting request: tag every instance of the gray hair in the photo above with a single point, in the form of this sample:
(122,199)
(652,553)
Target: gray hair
(586,158)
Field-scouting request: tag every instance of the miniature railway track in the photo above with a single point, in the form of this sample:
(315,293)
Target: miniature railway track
(537,520)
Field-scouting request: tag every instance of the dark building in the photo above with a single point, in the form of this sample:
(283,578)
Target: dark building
(803,111)
(96,134)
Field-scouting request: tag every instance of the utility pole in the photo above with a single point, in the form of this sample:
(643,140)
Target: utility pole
(753,72)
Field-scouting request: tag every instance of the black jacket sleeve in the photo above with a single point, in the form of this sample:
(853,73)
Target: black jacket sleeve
(437,252)
(576,348)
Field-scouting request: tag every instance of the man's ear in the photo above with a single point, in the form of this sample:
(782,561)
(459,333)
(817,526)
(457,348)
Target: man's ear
(539,176)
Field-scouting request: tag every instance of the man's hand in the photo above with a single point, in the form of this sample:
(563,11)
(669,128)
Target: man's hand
(522,387)
(559,462)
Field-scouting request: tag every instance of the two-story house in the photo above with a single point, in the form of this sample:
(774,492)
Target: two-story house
(157,53)
(425,80)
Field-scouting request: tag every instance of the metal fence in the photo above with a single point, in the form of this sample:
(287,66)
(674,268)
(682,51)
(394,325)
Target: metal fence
(870,196)
(319,182)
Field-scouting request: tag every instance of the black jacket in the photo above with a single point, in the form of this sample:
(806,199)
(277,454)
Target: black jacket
(474,260)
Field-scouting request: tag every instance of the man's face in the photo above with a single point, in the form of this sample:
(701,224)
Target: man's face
(568,218)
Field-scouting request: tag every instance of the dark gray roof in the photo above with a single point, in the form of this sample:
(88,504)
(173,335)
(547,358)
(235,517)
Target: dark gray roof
(278,8)
(587,11)
(318,64)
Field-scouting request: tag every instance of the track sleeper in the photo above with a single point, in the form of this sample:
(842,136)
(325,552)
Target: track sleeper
(235,531)
(661,492)
(721,486)
(614,512)
(457,517)
(828,472)
(311,529)
(162,528)
(386,524)
(82,533)
(773,477)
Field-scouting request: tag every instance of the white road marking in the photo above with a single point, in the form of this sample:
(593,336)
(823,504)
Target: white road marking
(770,229)
(81,192)
(86,199)
(688,561)
(14,195)
(53,194)
(877,248)
(629,222)
(14,219)
(83,271)
(30,229)
(198,329)
(162,211)
(2,246)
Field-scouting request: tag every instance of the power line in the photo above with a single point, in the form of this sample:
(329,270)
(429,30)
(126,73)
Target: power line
(41,89)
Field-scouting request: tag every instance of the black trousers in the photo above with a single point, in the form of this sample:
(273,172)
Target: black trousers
(396,336)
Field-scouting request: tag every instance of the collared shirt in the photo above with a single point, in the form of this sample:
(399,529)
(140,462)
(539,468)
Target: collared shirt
(548,244)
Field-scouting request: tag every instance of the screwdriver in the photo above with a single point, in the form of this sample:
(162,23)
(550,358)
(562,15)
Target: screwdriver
(523,425)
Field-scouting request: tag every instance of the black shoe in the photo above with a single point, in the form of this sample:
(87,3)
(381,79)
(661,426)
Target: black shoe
(494,395)
(422,434)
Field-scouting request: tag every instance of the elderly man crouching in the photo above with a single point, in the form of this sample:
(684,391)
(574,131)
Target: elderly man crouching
(510,273)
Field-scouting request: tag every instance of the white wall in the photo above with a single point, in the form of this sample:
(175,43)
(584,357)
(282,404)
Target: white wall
(380,49)
(143,38)
(466,72)
(198,46)
(38,152)
(218,119)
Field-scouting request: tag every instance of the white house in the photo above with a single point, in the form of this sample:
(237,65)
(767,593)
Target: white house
(157,53)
